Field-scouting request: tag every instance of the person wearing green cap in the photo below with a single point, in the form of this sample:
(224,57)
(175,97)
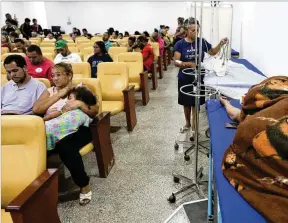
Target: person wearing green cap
(64,55)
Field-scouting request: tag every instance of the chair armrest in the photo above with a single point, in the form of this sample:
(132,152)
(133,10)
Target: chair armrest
(38,201)
(129,105)
(144,87)
(100,129)
(154,75)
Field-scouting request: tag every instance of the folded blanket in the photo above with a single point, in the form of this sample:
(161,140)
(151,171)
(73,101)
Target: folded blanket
(66,124)
(256,164)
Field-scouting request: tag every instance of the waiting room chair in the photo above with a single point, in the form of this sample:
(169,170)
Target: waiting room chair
(74,49)
(49,56)
(82,41)
(158,58)
(47,44)
(81,70)
(3,56)
(137,76)
(117,95)
(82,46)
(3,80)
(4,50)
(3,70)
(114,52)
(48,50)
(44,81)
(153,74)
(96,39)
(87,52)
(71,44)
(29,190)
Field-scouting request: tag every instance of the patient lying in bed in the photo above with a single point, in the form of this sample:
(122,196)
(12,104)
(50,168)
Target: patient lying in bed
(256,164)
(58,124)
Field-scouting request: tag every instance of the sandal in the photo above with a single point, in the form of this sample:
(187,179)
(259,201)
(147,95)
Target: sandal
(85,198)
(184,128)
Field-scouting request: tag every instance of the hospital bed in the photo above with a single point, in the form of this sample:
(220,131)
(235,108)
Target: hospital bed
(231,206)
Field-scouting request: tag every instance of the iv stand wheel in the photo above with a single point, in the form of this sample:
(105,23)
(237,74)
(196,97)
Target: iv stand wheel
(186,158)
(176,180)
(172,198)
(176,146)
(207,133)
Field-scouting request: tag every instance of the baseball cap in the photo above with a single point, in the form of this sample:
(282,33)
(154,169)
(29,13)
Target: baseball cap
(60,44)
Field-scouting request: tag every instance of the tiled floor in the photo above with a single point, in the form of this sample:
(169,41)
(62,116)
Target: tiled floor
(139,184)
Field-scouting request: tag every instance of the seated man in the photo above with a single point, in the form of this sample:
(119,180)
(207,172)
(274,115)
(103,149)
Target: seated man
(147,53)
(19,46)
(106,40)
(37,65)
(256,164)
(64,55)
(19,94)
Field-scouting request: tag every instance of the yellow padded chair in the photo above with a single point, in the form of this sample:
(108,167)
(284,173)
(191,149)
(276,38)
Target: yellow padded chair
(74,49)
(157,58)
(4,50)
(96,38)
(44,81)
(3,57)
(48,50)
(69,44)
(47,44)
(3,70)
(82,41)
(81,70)
(137,77)
(117,95)
(27,186)
(114,51)
(49,56)
(3,80)
(82,46)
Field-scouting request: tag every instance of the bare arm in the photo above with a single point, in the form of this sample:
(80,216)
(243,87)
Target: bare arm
(44,102)
(52,115)
(177,57)
(215,50)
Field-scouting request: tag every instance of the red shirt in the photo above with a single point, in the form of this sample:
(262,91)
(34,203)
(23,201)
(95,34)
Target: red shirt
(148,56)
(42,70)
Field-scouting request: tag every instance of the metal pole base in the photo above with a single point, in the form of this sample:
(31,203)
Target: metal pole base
(199,181)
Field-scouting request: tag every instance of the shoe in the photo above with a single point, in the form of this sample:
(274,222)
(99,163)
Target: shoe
(85,198)
(184,128)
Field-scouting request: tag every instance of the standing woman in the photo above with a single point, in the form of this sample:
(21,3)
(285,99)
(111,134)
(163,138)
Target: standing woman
(184,57)
(180,31)
(100,56)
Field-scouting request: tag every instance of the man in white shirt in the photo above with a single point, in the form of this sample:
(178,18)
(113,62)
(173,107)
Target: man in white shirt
(64,55)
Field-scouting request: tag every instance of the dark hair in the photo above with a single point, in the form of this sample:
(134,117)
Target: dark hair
(102,47)
(126,33)
(146,34)
(35,48)
(167,27)
(14,34)
(84,30)
(156,30)
(116,32)
(132,38)
(83,94)
(120,34)
(162,26)
(110,30)
(27,20)
(33,20)
(19,41)
(18,59)
(137,33)
(142,39)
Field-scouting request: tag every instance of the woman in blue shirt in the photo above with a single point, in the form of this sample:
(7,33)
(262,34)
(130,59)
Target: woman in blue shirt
(184,57)
(100,55)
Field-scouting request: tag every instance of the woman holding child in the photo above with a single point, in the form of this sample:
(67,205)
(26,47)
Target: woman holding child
(52,104)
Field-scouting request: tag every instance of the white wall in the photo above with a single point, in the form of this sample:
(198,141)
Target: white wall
(264,34)
(24,10)
(122,16)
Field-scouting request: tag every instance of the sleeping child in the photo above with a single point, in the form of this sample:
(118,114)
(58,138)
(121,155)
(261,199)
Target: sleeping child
(58,124)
